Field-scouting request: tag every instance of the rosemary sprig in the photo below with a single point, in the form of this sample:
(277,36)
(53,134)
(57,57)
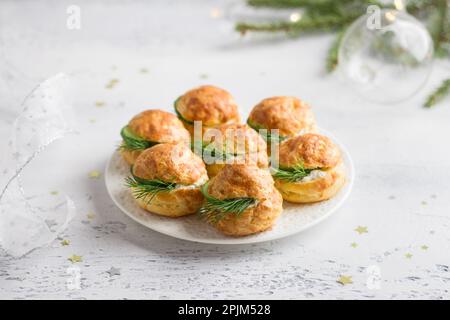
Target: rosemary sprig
(294,174)
(215,209)
(190,122)
(267,137)
(439,94)
(133,142)
(148,189)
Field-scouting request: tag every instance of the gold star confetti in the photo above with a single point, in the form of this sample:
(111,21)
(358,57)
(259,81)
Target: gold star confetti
(90,215)
(94,174)
(54,193)
(361,229)
(112,83)
(74,258)
(65,242)
(353,245)
(408,255)
(345,280)
(203,76)
(424,247)
(99,104)
(143,70)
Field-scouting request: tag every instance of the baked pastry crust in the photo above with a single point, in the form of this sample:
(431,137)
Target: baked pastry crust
(311,149)
(157,126)
(319,189)
(241,140)
(211,105)
(314,152)
(288,114)
(173,204)
(237,180)
(172,163)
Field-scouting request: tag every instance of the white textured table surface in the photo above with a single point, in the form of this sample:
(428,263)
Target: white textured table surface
(401,154)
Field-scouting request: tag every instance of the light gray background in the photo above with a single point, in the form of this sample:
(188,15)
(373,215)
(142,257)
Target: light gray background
(401,153)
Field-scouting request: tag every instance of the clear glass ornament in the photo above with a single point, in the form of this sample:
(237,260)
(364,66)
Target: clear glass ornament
(386,55)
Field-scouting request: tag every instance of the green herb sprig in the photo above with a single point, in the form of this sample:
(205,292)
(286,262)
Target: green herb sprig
(133,142)
(268,136)
(215,153)
(215,209)
(294,174)
(148,189)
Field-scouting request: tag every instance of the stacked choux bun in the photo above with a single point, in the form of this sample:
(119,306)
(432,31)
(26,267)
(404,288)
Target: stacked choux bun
(149,128)
(223,171)
(211,105)
(237,181)
(289,115)
(176,170)
(310,169)
(238,143)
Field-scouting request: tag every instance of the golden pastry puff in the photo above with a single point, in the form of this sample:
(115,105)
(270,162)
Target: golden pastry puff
(149,128)
(210,105)
(166,180)
(310,169)
(241,184)
(289,115)
(233,143)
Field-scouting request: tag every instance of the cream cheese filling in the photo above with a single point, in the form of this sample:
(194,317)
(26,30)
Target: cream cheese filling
(314,175)
(195,185)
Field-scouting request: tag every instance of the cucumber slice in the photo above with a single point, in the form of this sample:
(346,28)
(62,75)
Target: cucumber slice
(190,122)
(133,142)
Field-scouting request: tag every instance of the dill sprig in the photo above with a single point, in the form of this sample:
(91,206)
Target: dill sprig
(147,189)
(215,209)
(293,174)
(133,142)
(211,150)
(439,94)
(180,116)
(268,136)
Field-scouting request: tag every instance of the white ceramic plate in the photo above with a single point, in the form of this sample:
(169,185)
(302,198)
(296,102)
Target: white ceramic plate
(294,219)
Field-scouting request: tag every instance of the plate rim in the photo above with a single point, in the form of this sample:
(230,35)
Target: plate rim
(246,240)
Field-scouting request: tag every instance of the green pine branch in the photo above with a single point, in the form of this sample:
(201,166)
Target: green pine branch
(439,94)
(327,5)
(284,3)
(308,23)
(329,15)
(333,52)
